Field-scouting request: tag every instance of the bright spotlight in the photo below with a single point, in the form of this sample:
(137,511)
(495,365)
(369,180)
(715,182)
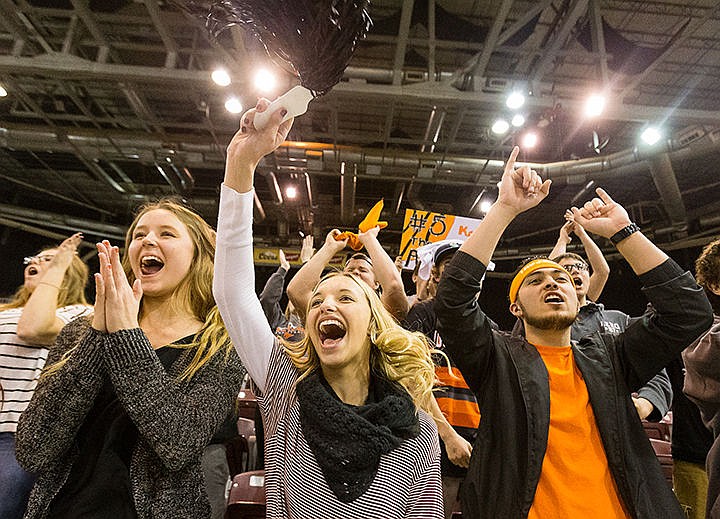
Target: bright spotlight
(529,140)
(515,100)
(594,105)
(265,81)
(221,77)
(3,92)
(485,206)
(291,192)
(651,135)
(500,126)
(233,105)
(518,120)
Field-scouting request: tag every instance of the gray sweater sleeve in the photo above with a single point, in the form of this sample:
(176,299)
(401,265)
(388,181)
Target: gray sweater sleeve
(177,419)
(271,295)
(659,393)
(48,426)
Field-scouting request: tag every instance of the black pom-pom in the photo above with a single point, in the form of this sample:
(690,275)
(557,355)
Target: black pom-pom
(316,38)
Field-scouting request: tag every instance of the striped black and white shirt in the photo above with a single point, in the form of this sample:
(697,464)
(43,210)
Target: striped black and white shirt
(407,483)
(21,363)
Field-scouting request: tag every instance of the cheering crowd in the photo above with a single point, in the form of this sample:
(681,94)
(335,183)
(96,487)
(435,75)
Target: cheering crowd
(373,404)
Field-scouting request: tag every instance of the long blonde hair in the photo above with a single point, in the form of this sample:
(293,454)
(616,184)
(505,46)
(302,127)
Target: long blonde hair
(194,292)
(72,288)
(396,354)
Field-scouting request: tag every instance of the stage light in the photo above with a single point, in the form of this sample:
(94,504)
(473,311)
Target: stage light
(3,92)
(529,140)
(233,105)
(221,77)
(500,126)
(265,81)
(594,105)
(485,206)
(291,192)
(651,135)
(518,120)
(515,100)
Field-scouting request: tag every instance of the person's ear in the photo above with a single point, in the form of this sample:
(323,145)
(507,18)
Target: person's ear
(435,272)
(715,289)
(516,310)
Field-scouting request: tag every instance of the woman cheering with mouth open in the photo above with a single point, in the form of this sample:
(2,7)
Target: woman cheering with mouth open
(344,433)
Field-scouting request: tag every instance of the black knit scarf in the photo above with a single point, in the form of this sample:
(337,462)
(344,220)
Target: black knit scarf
(348,441)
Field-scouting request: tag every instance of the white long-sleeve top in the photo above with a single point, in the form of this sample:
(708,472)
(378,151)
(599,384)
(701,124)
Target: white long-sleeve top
(407,483)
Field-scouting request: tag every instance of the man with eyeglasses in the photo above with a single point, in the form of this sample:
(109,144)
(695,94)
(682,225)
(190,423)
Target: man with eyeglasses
(653,400)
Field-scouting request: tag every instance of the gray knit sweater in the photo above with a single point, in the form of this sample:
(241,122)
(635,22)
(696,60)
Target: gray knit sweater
(175,419)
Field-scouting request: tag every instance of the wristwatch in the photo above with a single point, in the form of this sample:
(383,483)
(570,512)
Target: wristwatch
(624,233)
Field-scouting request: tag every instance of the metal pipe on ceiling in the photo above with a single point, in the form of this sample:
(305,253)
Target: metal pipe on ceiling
(348,183)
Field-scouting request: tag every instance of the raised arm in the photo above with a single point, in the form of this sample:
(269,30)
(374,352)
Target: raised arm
(393,291)
(563,240)
(520,190)
(272,293)
(234,280)
(465,330)
(301,285)
(39,323)
(603,216)
(682,311)
(600,267)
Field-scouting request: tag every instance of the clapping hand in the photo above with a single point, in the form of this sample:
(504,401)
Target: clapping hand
(116,302)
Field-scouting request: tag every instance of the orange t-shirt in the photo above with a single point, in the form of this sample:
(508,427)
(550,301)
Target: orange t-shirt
(575,480)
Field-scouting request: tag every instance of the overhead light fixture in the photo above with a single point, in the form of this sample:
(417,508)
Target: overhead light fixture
(221,77)
(529,140)
(515,100)
(518,120)
(233,105)
(291,192)
(594,105)
(265,81)
(3,92)
(485,206)
(650,135)
(500,126)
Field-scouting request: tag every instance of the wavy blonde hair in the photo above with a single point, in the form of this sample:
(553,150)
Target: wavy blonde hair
(72,288)
(396,354)
(193,293)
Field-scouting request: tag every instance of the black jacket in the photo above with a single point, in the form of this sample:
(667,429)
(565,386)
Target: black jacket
(510,380)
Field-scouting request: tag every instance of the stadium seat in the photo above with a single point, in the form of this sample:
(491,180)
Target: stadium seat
(247,496)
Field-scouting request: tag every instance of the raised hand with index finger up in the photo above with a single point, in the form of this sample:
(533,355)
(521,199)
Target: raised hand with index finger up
(601,215)
(522,188)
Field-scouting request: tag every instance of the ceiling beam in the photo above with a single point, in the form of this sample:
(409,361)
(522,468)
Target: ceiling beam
(403,33)
(65,65)
(683,34)
(492,38)
(577,9)
(432,93)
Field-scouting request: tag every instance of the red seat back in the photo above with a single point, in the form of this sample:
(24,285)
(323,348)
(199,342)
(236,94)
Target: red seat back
(247,496)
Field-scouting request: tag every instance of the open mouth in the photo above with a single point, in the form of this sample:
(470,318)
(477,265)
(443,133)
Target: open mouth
(150,265)
(32,271)
(331,332)
(577,281)
(553,298)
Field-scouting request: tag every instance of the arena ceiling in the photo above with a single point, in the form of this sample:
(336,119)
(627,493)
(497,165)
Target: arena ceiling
(110,103)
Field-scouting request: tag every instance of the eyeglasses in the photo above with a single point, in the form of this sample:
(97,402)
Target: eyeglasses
(47,258)
(577,267)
